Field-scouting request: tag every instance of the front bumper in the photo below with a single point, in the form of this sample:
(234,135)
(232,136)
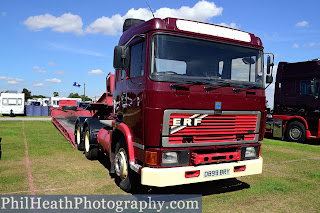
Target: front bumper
(162,177)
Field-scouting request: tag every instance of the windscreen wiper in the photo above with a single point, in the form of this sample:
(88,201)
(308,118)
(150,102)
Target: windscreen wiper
(191,83)
(220,85)
(236,90)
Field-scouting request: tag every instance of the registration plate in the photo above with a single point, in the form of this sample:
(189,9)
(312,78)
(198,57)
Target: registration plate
(218,172)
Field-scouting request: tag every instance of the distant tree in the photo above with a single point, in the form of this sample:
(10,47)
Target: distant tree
(27,93)
(74,95)
(38,96)
(87,99)
(55,94)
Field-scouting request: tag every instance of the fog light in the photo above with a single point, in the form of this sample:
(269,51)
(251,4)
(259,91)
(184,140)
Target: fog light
(169,157)
(250,152)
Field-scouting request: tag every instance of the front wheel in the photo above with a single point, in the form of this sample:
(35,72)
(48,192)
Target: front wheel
(126,178)
(91,153)
(296,132)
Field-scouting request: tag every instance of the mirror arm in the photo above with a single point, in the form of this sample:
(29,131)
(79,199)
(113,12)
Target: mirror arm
(133,37)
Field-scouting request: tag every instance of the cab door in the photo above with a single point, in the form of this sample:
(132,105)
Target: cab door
(132,95)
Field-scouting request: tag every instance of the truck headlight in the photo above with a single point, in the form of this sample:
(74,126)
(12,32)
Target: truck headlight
(175,158)
(169,157)
(250,152)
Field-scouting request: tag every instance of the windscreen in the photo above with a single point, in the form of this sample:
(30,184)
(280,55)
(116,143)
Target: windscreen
(178,59)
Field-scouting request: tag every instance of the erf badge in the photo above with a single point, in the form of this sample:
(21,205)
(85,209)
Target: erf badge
(218,106)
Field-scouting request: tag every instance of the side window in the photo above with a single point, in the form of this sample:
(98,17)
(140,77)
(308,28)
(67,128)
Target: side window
(12,101)
(137,60)
(4,101)
(305,88)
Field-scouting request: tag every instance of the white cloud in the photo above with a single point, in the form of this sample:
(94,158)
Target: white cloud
(105,25)
(41,71)
(3,13)
(312,44)
(302,24)
(52,64)
(231,25)
(10,79)
(54,80)
(295,46)
(36,68)
(63,24)
(13,83)
(201,11)
(60,73)
(96,72)
(38,85)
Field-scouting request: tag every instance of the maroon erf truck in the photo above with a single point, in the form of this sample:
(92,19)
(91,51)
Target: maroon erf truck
(296,114)
(186,104)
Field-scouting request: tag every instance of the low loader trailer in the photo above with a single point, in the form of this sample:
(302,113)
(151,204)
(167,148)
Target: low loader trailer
(186,105)
(65,116)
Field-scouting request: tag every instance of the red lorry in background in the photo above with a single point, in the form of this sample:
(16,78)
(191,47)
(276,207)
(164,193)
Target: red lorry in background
(186,105)
(296,114)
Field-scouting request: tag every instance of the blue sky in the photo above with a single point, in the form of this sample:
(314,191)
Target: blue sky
(48,45)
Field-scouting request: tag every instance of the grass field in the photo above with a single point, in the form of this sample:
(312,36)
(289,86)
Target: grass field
(290,181)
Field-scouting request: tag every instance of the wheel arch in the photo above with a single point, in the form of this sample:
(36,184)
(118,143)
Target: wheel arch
(298,119)
(121,129)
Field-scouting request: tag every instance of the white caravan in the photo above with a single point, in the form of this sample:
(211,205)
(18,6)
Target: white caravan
(12,103)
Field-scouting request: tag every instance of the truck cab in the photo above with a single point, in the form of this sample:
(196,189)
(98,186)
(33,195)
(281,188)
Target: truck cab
(192,97)
(296,114)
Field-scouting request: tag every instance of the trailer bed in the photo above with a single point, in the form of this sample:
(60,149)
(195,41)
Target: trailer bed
(66,125)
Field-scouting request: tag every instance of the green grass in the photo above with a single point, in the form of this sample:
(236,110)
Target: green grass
(290,181)
(54,163)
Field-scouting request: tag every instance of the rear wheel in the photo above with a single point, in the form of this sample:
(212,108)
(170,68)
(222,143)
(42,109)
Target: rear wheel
(296,132)
(126,178)
(79,141)
(91,152)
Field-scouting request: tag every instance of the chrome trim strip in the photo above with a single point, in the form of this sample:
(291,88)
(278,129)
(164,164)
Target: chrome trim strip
(138,145)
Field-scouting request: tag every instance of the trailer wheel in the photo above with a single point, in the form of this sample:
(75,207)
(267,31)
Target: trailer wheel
(296,132)
(79,141)
(91,153)
(126,178)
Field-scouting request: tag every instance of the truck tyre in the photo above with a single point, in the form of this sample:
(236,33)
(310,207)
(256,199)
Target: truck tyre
(77,137)
(126,178)
(92,153)
(296,132)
